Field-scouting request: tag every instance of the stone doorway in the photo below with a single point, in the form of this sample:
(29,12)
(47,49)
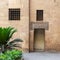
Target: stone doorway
(39,38)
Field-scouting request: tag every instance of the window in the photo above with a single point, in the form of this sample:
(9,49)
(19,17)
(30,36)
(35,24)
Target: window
(14,14)
(39,15)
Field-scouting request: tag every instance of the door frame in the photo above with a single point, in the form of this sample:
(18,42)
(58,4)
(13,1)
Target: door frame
(44,40)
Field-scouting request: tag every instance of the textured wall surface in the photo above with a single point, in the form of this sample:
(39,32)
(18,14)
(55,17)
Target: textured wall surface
(51,14)
(21,25)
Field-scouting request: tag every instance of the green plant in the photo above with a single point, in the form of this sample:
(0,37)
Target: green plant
(5,35)
(12,44)
(14,54)
(2,56)
(11,55)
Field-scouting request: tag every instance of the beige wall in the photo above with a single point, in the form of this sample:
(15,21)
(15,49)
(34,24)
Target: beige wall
(22,25)
(51,10)
(51,14)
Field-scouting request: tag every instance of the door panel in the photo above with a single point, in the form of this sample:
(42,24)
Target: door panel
(39,35)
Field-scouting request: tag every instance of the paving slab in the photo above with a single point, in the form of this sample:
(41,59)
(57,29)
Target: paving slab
(41,56)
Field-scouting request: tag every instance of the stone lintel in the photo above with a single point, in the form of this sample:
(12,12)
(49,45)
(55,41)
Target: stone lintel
(36,25)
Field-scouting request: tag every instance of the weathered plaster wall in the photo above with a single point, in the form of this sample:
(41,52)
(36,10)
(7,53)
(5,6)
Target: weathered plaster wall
(21,25)
(51,14)
(51,10)
(25,24)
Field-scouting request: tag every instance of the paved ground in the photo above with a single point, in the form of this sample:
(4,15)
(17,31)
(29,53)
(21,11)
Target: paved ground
(41,56)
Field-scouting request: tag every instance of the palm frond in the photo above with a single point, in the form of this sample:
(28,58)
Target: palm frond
(5,34)
(15,40)
(14,43)
(12,32)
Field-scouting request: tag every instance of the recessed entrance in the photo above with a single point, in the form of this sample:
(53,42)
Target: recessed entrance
(39,37)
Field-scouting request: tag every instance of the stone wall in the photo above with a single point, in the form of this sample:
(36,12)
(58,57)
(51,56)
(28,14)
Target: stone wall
(21,25)
(51,9)
(51,13)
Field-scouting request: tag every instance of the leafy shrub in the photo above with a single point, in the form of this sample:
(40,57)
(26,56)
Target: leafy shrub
(3,57)
(5,34)
(11,55)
